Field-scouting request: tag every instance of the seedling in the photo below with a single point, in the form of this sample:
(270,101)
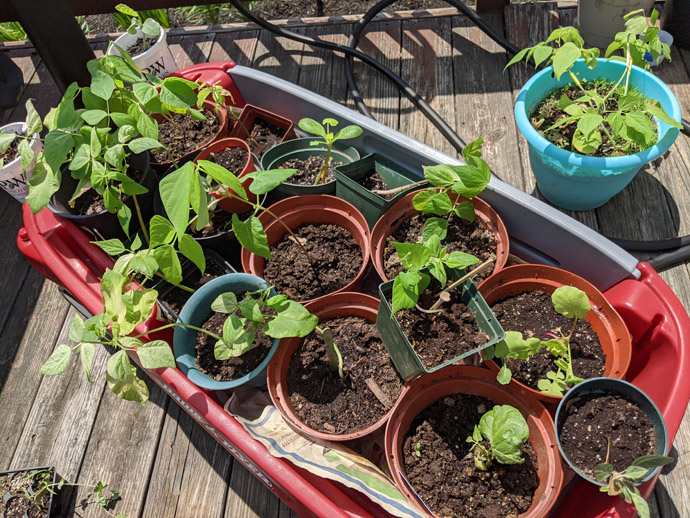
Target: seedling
(569,302)
(623,483)
(323,130)
(150,27)
(418,449)
(506,430)
(626,119)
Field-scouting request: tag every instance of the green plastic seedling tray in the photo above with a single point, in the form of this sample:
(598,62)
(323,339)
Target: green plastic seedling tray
(404,357)
(347,187)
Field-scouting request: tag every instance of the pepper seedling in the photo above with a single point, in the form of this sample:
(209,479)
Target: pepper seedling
(323,130)
(506,430)
(570,302)
(623,483)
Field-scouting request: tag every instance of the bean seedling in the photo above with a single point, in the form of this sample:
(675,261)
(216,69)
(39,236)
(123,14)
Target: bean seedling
(506,430)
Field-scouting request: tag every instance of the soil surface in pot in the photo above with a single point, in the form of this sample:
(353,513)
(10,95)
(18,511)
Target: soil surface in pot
(21,482)
(140,46)
(264,135)
(440,466)
(548,113)
(597,428)
(11,152)
(373,181)
(185,135)
(219,221)
(336,259)
(471,238)
(309,169)
(177,297)
(532,314)
(231,158)
(327,403)
(440,337)
(232,368)
(4,485)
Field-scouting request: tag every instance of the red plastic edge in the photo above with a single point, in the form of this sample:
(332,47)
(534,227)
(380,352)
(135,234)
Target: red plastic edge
(214,73)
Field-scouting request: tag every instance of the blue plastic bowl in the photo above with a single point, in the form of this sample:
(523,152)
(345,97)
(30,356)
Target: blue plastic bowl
(195,311)
(578,182)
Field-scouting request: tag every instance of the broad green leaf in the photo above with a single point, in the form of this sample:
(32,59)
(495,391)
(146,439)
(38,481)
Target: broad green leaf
(265,181)
(251,310)
(224,177)
(574,109)
(112,284)
(139,145)
(236,340)
(151,27)
(541,54)
(122,119)
(156,354)
(115,156)
(406,289)
(26,153)
(459,259)
(603,471)
(33,119)
(144,264)
(473,179)
(161,231)
(652,461)
(139,307)
(95,143)
(654,107)
(225,303)
(642,125)
(473,149)
(148,127)
(126,133)
(292,319)
(56,148)
(124,214)
(441,175)
(437,270)
(430,202)
(129,342)
(564,58)
(87,353)
(169,263)
(639,502)
(311,126)
(192,251)
(58,361)
(102,85)
(112,247)
(571,302)
(435,227)
(635,472)
(123,381)
(587,144)
(348,132)
(517,58)
(276,301)
(76,329)
(177,96)
(506,429)
(5,140)
(175,190)
(413,256)
(589,122)
(93,117)
(504,375)
(81,157)
(125,9)
(251,236)
(564,102)
(465,210)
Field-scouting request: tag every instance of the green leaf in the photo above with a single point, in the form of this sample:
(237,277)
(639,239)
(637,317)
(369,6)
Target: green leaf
(76,329)
(571,302)
(652,461)
(56,148)
(588,123)
(506,429)
(81,157)
(413,256)
(639,502)
(169,263)
(27,154)
(124,214)
(654,107)
(587,145)
(148,127)
(139,145)
(58,361)
(42,185)
(251,310)
(33,120)
(437,270)
(603,471)
(348,132)
(276,301)
(435,227)
(642,126)
(122,119)
(236,340)
(156,354)
(465,210)
(87,353)
(574,109)
(406,289)
(151,27)
(504,375)
(175,190)
(473,149)
(311,126)
(473,178)
(192,251)
(459,259)
(5,140)
(517,58)
(251,236)
(441,175)
(564,58)
(564,102)
(265,181)
(112,284)
(223,176)
(125,9)
(177,95)
(541,54)
(225,303)
(123,381)
(102,85)
(292,319)
(431,202)
(112,247)
(93,117)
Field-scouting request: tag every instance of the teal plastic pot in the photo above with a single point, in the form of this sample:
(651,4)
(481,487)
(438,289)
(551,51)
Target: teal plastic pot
(578,182)
(195,311)
(300,148)
(615,387)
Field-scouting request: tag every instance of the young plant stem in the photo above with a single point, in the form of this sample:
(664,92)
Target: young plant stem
(613,142)
(335,359)
(628,68)
(579,85)
(457,283)
(181,286)
(382,192)
(324,170)
(183,324)
(140,217)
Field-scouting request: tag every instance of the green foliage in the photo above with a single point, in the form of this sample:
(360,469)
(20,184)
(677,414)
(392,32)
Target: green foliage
(623,483)
(149,22)
(12,31)
(628,124)
(506,430)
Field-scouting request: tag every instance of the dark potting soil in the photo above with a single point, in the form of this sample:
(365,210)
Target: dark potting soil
(532,314)
(11,153)
(90,202)
(16,507)
(185,135)
(232,368)
(548,113)
(373,181)
(439,337)
(265,135)
(471,238)
(599,427)
(4,484)
(231,158)
(177,297)
(440,466)
(140,46)
(336,259)
(20,483)
(327,403)
(309,169)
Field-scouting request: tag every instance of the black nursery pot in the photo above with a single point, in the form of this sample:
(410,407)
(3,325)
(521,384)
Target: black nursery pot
(8,494)
(105,224)
(595,387)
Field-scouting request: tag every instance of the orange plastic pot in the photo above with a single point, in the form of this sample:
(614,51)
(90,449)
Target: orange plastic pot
(327,307)
(251,113)
(403,210)
(612,332)
(312,209)
(222,115)
(229,204)
(455,379)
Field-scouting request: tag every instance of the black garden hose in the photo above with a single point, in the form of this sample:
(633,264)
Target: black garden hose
(678,248)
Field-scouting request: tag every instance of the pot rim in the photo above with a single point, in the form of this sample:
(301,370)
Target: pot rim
(113,51)
(19,128)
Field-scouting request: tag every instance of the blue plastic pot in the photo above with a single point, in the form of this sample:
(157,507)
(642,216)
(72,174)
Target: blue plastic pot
(195,311)
(578,182)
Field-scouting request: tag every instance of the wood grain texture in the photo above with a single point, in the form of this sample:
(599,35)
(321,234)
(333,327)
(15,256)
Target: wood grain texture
(321,70)
(279,56)
(247,498)
(237,46)
(188,50)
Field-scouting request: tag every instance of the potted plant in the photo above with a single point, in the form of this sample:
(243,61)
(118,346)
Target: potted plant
(262,129)
(338,384)
(373,184)
(613,435)
(17,155)
(315,160)
(432,453)
(591,124)
(312,245)
(145,41)
(553,337)
(450,209)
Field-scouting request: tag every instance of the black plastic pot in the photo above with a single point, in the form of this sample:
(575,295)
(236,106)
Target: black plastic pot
(105,224)
(347,186)
(404,357)
(611,386)
(8,495)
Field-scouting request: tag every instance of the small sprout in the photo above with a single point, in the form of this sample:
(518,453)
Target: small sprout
(418,449)
(506,430)
(335,359)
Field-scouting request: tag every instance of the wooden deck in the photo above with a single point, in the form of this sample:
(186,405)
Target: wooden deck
(156,456)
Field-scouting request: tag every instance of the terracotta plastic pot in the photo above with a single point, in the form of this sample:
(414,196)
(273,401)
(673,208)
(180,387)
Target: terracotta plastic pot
(429,388)
(228,204)
(222,115)
(329,306)
(612,332)
(403,210)
(250,114)
(316,209)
